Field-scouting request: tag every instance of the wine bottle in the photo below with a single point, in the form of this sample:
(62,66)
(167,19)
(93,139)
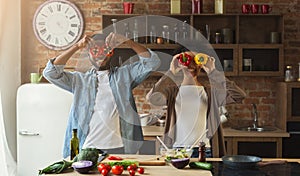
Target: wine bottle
(74,144)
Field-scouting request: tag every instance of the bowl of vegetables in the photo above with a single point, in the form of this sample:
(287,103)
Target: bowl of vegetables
(180,163)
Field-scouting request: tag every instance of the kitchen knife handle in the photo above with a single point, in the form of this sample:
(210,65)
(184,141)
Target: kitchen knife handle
(26,133)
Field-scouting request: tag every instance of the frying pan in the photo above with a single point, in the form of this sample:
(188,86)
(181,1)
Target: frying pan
(246,161)
(241,161)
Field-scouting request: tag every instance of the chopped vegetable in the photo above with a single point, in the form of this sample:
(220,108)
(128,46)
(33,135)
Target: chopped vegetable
(185,59)
(124,163)
(201,59)
(111,157)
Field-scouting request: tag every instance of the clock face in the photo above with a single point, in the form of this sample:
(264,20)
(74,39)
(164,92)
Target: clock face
(58,24)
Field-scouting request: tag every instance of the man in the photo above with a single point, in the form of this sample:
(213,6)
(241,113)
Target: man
(103,110)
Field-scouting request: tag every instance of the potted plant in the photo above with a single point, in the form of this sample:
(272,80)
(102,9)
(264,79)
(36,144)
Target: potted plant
(128,6)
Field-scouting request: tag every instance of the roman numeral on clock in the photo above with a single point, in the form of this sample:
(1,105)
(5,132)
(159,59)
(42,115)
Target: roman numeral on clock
(71,33)
(43,31)
(59,7)
(48,38)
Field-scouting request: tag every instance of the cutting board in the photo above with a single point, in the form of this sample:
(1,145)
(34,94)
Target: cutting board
(143,160)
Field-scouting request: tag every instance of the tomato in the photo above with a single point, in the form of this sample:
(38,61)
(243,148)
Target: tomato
(134,166)
(117,169)
(140,170)
(130,168)
(131,172)
(104,172)
(102,166)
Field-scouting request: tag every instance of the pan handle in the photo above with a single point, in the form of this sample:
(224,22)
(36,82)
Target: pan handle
(265,163)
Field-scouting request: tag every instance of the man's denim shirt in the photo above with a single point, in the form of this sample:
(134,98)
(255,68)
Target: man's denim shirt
(84,88)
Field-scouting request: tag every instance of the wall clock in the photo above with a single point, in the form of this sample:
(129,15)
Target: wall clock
(58,24)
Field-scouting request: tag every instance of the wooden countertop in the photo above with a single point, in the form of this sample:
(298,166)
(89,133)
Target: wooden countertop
(229,132)
(152,131)
(168,170)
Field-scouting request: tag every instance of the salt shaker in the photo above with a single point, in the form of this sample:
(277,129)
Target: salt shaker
(202,157)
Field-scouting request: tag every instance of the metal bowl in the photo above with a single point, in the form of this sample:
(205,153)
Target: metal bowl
(241,161)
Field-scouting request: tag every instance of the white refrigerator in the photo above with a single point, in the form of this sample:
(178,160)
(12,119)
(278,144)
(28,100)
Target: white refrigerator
(42,114)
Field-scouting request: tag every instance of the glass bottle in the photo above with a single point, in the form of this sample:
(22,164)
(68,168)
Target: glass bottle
(153,34)
(127,32)
(202,157)
(135,31)
(184,31)
(166,34)
(176,33)
(74,144)
(288,74)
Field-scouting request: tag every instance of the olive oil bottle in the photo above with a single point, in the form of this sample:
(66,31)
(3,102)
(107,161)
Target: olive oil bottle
(74,144)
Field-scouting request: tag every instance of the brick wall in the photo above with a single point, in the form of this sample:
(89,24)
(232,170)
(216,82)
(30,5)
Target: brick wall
(260,90)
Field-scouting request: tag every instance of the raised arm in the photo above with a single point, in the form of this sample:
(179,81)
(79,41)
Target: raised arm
(63,58)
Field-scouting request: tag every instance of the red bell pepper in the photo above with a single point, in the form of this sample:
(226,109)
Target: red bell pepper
(111,157)
(185,59)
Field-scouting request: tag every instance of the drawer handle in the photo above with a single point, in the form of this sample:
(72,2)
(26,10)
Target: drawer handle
(26,133)
(294,132)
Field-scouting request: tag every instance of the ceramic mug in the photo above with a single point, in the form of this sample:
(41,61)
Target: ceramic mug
(128,7)
(35,77)
(265,8)
(246,8)
(254,8)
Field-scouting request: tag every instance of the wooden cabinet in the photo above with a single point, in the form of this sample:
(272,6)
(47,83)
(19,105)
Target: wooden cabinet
(263,144)
(250,38)
(288,96)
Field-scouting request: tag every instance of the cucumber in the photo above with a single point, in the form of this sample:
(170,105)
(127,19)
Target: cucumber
(200,165)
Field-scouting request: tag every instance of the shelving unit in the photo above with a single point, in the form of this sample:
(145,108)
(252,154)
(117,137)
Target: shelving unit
(289,95)
(251,38)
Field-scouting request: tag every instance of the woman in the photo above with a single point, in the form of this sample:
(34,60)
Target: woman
(193,104)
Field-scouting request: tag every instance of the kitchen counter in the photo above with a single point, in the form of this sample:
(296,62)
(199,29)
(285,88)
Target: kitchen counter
(232,137)
(168,170)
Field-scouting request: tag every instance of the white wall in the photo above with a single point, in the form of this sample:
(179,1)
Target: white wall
(10,65)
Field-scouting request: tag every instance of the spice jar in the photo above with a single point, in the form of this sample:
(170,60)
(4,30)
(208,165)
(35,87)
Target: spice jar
(288,74)
(202,157)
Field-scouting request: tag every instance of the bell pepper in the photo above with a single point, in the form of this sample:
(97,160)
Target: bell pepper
(112,157)
(185,59)
(97,51)
(200,59)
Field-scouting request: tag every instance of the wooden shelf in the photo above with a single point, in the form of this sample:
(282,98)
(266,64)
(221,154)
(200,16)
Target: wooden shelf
(251,37)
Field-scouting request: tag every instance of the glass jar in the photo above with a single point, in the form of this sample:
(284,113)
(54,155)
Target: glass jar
(166,34)
(288,74)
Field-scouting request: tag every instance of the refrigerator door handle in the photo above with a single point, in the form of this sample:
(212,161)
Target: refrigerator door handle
(26,133)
